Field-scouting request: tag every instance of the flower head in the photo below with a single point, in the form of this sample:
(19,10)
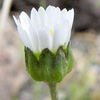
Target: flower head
(50,28)
(46,35)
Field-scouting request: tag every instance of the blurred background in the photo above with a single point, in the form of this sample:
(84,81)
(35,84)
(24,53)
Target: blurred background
(83,83)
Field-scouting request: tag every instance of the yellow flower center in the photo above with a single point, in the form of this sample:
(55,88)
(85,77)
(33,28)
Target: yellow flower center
(51,32)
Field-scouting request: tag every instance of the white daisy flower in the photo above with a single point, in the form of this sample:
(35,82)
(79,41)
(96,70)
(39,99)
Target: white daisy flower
(50,28)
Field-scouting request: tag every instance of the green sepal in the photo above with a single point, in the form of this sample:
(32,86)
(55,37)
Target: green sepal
(32,64)
(69,58)
(49,67)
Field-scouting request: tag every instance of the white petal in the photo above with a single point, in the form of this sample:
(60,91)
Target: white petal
(60,35)
(28,32)
(69,15)
(35,19)
(15,20)
(25,21)
(58,16)
(54,16)
(43,17)
(24,36)
(50,8)
(64,11)
(68,38)
(34,39)
(41,12)
(50,11)
(45,39)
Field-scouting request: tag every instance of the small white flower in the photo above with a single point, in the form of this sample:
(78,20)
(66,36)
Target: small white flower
(48,28)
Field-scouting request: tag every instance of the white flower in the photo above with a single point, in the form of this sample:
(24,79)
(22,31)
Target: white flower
(48,28)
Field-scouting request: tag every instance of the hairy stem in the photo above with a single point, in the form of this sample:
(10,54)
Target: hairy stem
(53,90)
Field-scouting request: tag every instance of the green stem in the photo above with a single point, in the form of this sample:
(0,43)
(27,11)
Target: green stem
(53,91)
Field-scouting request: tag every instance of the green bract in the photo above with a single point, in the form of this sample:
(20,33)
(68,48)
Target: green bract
(49,67)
